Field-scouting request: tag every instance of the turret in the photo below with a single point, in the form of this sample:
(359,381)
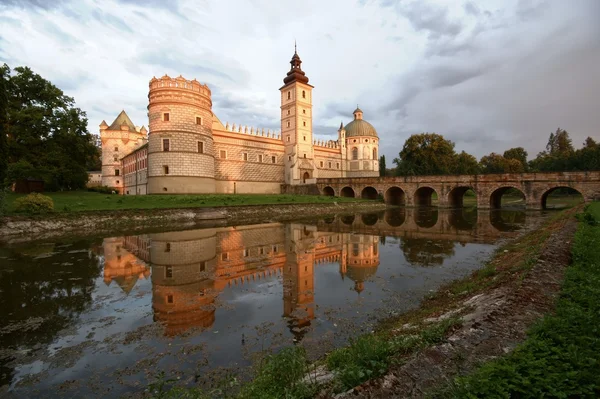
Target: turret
(180,142)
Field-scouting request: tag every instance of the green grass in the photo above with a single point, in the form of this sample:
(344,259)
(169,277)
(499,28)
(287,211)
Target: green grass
(78,201)
(561,356)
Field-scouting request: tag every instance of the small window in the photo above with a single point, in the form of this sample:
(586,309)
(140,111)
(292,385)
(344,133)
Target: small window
(225,256)
(118,181)
(329,165)
(289,95)
(304,111)
(168,247)
(202,266)
(321,163)
(246,253)
(169,298)
(288,111)
(198,120)
(201,147)
(337,165)
(117,172)
(273,159)
(287,138)
(304,155)
(169,272)
(245,156)
(303,94)
(288,124)
(164,189)
(165,117)
(260,158)
(304,123)
(223,154)
(116,148)
(275,249)
(262,251)
(304,137)
(116,158)
(289,157)
(166,169)
(166,145)
(355,153)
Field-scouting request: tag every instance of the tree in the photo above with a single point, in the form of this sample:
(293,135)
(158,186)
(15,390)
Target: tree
(496,163)
(426,154)
(466,164)
(382,169)
(519,154)
(4,74)
(46,131)
(559,143)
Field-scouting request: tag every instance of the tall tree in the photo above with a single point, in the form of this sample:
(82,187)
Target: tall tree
(426,154)
(47,132)
(559,143)
(519,154)
(382,169)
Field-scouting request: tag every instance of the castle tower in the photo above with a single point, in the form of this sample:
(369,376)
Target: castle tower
(362,147)
(296,125)
(180,144)
(118,140)
(362,259)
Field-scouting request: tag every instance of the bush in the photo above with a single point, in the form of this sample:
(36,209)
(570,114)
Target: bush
(34,203)
(101,189)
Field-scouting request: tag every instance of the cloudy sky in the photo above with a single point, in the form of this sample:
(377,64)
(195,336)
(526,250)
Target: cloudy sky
(488,74)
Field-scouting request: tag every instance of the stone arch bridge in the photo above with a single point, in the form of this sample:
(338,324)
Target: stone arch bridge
(419,190)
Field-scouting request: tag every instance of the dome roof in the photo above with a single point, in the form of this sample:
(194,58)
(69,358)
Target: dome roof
(360,127)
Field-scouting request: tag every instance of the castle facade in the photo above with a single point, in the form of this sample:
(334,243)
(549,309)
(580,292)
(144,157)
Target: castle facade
(188,150)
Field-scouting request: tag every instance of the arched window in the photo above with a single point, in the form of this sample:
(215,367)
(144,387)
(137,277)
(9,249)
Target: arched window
(289,95)
(374,153)
(366,153)
(303,94)
(355,153)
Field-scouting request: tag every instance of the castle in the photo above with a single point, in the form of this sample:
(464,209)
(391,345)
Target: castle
(188,150)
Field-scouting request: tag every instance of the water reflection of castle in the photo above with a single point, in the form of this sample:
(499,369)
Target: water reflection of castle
(190,268)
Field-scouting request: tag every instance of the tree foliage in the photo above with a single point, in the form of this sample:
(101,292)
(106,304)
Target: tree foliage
(382,169)
(496,163)
(519,154)
(561,156)
(47,134)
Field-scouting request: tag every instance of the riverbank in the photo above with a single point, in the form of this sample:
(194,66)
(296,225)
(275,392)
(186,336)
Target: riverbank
(455,330)
(29,228)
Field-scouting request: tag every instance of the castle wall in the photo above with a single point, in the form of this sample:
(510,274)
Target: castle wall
(135,172)
(115,145)
(328,162)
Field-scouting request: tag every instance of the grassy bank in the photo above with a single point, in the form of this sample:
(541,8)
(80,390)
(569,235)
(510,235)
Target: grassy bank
(561,356)
(79,201)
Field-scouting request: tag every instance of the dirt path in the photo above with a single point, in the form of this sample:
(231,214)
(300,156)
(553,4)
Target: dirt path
(494,322)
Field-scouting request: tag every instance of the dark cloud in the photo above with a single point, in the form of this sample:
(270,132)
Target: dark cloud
(425,17)
(472,8)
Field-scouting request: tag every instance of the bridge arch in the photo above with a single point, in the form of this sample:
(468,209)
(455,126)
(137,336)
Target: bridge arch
(496,196)
(369,219)
(424,196)
(568,194)
(329,191)
(395,196)
(347,192)
(395,217)
(426,217)
(347,219)
(456,196)
(369,193)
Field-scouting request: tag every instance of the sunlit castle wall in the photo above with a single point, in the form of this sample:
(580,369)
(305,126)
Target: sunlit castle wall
(180,143)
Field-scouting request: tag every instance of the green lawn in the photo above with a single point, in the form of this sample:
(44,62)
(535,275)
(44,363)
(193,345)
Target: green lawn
(561,356)
(77,201)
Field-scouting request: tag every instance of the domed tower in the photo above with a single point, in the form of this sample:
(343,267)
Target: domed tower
(362,260)
(180,143)
(362,149)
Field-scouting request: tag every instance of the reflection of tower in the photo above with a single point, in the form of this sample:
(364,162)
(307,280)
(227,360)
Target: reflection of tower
(121,266)
(362,259)
(298,278)
(182,289)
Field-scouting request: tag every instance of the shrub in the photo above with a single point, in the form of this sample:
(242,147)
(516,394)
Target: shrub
(34,203)
(101,189)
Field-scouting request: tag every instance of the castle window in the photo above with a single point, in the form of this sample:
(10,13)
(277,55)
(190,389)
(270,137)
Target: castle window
(355,249)
(223,154)
(245,156)
(245,253)
(288,124)
(260,158)
(225,256)
(273,159)
(198,120)
(337,165)
(321,164)
(304,123)
(116,148)
(166,145)
(304,155)
(169,272)
(169,298)
(116,158)
(202,266)
(287,138)
(304,111)
(289,157)
(303,94)
(329,165)
(118,182)
(165,117)
(262,251)
(117,172)
(304,137)
(355,153)
(201,147)
(164,189)
(168,247)
(375,249)
(289,94)
(288,111)
(166,169)
(275,249)
(375,153)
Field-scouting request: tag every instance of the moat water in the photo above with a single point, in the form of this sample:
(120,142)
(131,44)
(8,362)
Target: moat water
(107,317)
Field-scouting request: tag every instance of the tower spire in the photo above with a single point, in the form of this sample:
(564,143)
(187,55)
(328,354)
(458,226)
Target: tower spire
(295,49)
